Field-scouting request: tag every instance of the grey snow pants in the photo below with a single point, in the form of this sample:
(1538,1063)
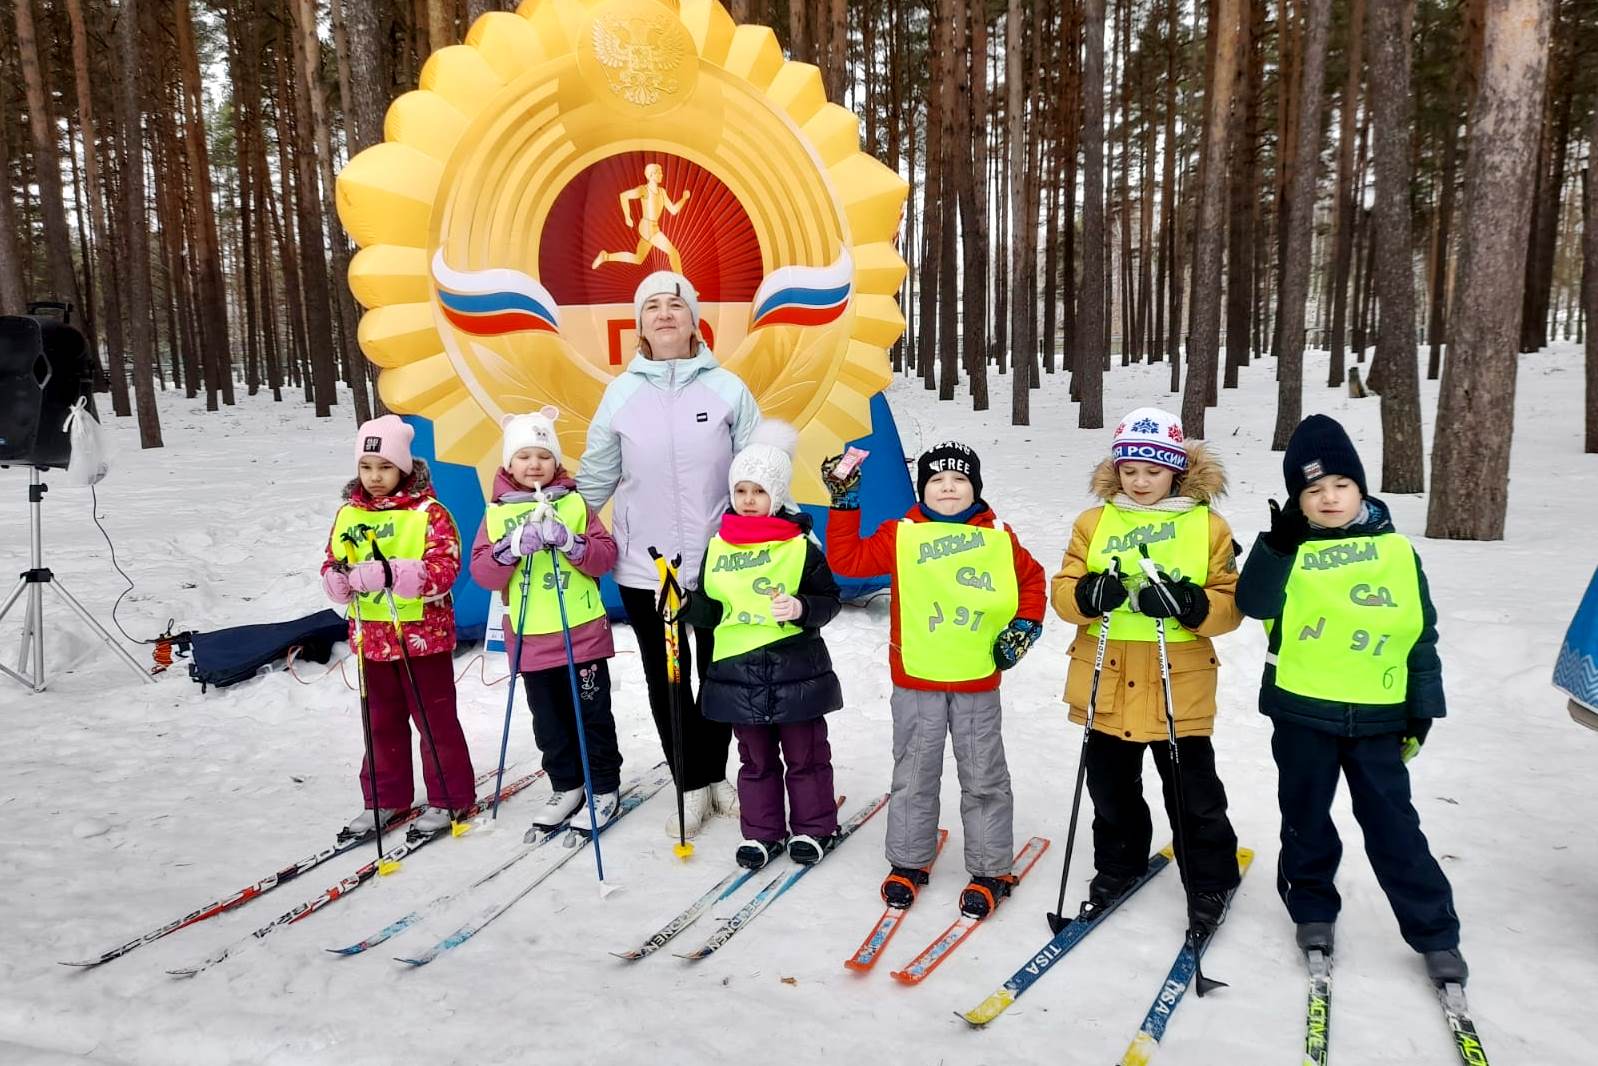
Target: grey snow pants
(987,807)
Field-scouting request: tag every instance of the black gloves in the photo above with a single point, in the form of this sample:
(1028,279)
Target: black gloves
(1099,592)
(1289,529)
(1182,600)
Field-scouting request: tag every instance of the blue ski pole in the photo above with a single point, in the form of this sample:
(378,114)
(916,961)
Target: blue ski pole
(577,713)
(515,673)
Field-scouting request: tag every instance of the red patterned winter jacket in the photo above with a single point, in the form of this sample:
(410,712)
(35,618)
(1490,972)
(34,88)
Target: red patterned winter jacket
(435,631)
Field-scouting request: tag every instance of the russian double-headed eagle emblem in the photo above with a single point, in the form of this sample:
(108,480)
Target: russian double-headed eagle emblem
(639,57)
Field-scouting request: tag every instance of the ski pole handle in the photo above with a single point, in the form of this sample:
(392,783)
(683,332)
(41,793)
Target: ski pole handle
(1156,578)
(1151,571)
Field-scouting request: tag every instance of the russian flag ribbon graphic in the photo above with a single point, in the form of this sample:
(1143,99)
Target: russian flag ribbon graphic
(805,296)
(491,303)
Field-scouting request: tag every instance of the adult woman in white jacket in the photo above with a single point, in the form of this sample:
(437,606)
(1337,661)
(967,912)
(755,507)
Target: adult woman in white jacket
(661,443)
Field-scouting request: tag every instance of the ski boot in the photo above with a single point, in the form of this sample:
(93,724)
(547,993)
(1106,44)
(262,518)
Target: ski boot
(556,812)
(900,887)
(606,804)
(1314,936)
(431,820)
(1103,891)
(984,894)
(755,854)
(807,850)
(1206,911)
(364,824)
(1446,967)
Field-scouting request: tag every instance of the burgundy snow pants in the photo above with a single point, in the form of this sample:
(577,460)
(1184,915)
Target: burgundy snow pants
(392,708)
(808,779)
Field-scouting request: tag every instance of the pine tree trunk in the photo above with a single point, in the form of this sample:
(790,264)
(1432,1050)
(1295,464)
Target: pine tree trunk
(948,281)
(974,196)
(1244,190)
(1089,363)
(1290,37)
(931,200)
(46,159)
(1344,197)
(838,51)
(1545,216)
(13,287)
(1403,467)
(107,311)
(349,358)
(313,263)
(1300,219)
(1436,325)
(440,25)
(1589,283)
(1470,460)
(798,35)
(216,349)
(1020,269)
(1204,339)
(1170,202)
(136,226)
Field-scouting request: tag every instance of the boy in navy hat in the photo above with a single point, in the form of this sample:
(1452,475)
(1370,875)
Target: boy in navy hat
(1352,683)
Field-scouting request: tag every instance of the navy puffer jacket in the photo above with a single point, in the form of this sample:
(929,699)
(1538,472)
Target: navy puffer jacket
(788,680)
(1261,593)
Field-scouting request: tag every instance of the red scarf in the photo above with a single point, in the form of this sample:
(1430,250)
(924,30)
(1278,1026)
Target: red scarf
(756,529)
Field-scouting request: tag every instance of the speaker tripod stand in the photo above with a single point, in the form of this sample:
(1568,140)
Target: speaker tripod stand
(32,583)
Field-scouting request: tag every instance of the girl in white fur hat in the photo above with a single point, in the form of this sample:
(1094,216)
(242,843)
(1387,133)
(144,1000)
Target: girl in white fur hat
(536,507)
(766,590)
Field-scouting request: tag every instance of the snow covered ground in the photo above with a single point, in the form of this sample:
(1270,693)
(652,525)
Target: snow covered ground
(123,806)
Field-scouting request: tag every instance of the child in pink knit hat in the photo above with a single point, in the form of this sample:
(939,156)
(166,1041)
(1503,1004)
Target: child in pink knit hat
(393,552)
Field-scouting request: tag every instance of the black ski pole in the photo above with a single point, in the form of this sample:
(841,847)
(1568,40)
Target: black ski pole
(456,828)
(1201,983)
(1057,919)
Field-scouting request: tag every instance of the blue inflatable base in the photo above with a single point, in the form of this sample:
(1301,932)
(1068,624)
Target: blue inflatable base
(886,493)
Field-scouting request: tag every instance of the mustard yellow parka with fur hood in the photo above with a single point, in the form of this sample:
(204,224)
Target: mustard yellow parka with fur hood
(1130,701)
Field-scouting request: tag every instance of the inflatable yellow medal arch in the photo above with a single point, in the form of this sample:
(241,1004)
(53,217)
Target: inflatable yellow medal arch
(546,166)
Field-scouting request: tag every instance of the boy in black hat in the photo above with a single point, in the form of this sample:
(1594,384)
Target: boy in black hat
(966,603)
(1352,683)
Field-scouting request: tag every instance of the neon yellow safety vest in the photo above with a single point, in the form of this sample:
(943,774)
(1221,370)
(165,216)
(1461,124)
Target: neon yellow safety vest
(744,578)
(1179,544)
(957,592)
(400,535)
(583,603)
(1352,614)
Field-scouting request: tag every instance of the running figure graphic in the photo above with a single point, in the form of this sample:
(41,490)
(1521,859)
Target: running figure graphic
(653,201)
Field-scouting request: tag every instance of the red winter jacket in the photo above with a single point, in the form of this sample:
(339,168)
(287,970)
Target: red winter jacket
(851,556)
(434,632)
(591,640)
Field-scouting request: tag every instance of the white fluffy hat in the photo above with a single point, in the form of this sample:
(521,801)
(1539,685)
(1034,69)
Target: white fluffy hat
(535,430)
(768,462)
(667,283)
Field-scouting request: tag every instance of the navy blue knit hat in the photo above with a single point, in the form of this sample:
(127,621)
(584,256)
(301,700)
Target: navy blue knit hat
(1320,447)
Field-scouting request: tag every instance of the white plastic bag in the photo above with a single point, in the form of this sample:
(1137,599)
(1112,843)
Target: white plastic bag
(90,460)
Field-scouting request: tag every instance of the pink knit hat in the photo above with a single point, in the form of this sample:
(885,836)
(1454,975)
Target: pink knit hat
(388,438)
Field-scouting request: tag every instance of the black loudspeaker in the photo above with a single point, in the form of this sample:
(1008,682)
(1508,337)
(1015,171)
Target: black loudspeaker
(44,370)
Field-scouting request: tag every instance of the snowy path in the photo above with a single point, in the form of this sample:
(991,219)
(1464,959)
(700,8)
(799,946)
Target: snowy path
(122,806)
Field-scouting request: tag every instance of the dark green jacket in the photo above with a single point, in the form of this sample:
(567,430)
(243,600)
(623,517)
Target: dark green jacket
(1262,593)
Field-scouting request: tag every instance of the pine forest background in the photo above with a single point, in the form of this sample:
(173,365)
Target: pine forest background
(1405,184)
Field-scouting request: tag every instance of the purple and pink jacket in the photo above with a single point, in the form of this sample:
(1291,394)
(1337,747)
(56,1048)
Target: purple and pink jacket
(544,651)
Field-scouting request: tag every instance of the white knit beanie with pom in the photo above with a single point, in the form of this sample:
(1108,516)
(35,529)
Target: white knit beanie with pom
(768,462)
